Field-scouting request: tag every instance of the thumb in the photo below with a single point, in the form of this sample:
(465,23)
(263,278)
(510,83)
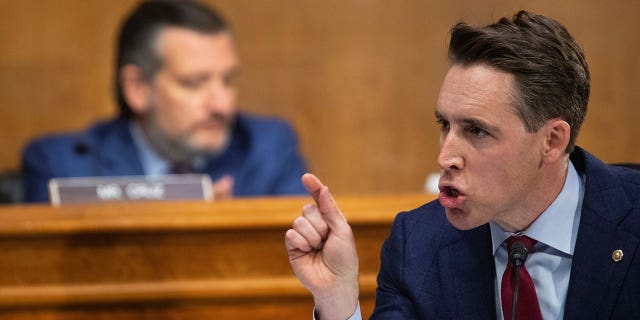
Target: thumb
(325,202)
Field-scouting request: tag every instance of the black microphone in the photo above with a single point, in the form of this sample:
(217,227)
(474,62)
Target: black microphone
(517,256)
(83,148)
(518,253)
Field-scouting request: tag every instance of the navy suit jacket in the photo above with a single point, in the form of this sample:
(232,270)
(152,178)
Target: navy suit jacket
(430,270)
(262,157)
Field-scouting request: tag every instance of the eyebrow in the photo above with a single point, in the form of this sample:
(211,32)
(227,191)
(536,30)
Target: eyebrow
(470,121)
(479,123)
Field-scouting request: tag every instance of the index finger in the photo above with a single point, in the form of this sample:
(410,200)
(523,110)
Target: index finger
(313,186)
(324,200)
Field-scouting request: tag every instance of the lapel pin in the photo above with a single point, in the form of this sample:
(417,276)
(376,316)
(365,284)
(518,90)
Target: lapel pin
(617,255)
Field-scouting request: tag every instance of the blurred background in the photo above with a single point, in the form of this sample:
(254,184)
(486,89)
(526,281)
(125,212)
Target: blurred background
(358,79)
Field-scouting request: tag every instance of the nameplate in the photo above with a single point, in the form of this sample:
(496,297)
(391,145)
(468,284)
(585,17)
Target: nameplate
(130,188)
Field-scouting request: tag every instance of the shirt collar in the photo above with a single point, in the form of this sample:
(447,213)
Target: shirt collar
(152,162)
(557,226)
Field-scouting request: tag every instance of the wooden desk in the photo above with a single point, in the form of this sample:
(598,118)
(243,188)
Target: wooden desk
(181,260)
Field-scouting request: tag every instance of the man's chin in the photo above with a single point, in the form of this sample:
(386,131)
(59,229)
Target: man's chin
(460,219)
(209,148)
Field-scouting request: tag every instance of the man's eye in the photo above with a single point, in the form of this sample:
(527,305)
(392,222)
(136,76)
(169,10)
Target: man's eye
(477,131)
(190,83)
(229,80)
(444,124)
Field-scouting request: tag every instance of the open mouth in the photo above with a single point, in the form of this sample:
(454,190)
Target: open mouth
(450,192)
(451,197)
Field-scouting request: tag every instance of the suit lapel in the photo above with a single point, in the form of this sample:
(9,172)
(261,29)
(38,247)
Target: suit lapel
(596,279)
(467,270)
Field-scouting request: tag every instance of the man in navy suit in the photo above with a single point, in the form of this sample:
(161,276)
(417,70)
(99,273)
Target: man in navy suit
(510,109)
(176,64)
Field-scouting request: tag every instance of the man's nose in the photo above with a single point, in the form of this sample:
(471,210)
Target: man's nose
(220,97)
(450,157)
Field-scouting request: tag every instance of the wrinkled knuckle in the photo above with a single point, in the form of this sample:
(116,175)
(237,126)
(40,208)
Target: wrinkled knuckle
(298,222)
(308,208)
(289,235)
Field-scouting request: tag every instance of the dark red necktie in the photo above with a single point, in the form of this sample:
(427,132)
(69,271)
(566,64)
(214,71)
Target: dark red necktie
(528,307)
(181,168)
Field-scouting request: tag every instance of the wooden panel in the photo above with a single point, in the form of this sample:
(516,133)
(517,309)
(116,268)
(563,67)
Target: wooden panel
(172,261)
(358,79)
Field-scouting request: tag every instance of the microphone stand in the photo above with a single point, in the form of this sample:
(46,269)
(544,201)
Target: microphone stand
(518,255)
(514,299)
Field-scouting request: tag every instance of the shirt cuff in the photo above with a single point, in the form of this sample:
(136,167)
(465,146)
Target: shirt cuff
(355,316)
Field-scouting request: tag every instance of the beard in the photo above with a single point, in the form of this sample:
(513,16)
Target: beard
(181,148)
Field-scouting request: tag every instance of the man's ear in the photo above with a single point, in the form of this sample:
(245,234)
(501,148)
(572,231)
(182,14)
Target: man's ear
(135,89)
(557,134)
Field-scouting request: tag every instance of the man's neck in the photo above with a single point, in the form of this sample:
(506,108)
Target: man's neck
(543,192)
